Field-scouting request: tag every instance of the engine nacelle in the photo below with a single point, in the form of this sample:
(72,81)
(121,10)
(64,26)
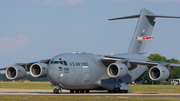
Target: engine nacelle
(38,70)
(158,73)
(117,70)
(15,72)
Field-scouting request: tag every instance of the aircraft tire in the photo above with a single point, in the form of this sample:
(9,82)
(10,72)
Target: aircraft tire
(71,91)
(81,91)
(121,91)
(125,91)
(87,91)
(59,91)
(115,90)
(109,91)
(55,91)
(77,90)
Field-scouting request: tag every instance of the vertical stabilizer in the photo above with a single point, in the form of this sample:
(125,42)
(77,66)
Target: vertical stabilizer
(142,38)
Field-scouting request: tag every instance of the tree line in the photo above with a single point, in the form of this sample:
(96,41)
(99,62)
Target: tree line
(144,78)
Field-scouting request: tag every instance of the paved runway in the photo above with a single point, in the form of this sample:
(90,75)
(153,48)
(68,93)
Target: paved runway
(30,92)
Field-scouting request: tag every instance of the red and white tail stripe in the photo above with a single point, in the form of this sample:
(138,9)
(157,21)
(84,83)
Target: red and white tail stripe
(144,38)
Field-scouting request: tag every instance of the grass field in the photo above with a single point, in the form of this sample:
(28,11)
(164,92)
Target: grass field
(25,85)
(156,88)
(45,85)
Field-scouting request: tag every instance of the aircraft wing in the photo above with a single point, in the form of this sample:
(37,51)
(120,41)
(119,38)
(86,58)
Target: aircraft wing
(27,66)
(3,69)
(131,64)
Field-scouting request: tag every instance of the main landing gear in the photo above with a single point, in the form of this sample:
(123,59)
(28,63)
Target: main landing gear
(79,91)
(116,90)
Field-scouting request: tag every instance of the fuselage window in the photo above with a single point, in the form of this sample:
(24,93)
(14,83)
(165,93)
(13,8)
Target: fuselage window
(60,68)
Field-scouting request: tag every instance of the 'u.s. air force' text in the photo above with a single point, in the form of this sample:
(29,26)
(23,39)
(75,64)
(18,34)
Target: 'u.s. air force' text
(78,63)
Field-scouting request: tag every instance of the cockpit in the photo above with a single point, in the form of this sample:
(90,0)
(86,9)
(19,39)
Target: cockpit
(58,62)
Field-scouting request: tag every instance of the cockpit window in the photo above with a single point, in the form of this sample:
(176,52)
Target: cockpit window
(61,62)
(51,62)
(56,62)
(65,63)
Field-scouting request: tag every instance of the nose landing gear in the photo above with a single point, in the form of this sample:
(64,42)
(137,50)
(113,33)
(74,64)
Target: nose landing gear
(57,90)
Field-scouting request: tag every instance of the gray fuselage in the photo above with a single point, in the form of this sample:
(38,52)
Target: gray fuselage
(84,70)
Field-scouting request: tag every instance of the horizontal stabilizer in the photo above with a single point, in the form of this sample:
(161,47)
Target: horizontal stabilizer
(160,16)
(127,17)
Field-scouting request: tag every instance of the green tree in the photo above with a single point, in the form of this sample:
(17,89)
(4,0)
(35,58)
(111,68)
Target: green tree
(175,72)
(144,77)
(157,57)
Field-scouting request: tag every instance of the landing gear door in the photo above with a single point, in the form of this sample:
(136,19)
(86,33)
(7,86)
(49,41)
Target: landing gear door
(86,73)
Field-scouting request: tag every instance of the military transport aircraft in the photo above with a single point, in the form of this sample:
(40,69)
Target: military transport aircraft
(81,72)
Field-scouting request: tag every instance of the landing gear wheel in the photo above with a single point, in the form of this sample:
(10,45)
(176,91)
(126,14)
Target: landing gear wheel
(57,91)
(109,91)
(77,91)
(87,91)
(125,91)
(115,90)
(71,91)
(121,91)
(81,91)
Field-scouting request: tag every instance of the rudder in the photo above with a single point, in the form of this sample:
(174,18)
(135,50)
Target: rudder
(142,36)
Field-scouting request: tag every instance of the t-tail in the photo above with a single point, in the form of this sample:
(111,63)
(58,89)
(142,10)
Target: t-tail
(142,38)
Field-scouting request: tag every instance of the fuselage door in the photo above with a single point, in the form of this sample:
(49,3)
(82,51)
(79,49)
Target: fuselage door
(86,73)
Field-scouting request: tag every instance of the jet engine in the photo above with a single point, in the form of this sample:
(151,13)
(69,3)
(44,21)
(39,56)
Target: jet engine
(15,72)
(38,70)
(117,70)
(158,73)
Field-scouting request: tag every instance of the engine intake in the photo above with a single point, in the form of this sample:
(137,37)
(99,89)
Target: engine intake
(117,70)
(38,70)
(15,72)
(158,73)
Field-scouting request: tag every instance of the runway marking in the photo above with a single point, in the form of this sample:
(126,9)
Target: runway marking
(32,92)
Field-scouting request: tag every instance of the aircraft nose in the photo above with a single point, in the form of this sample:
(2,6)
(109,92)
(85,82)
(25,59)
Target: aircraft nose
(52,74)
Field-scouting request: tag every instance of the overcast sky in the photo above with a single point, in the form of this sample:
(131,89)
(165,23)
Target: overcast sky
(32,30)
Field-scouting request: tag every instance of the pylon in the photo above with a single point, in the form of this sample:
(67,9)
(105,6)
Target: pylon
(165,93)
